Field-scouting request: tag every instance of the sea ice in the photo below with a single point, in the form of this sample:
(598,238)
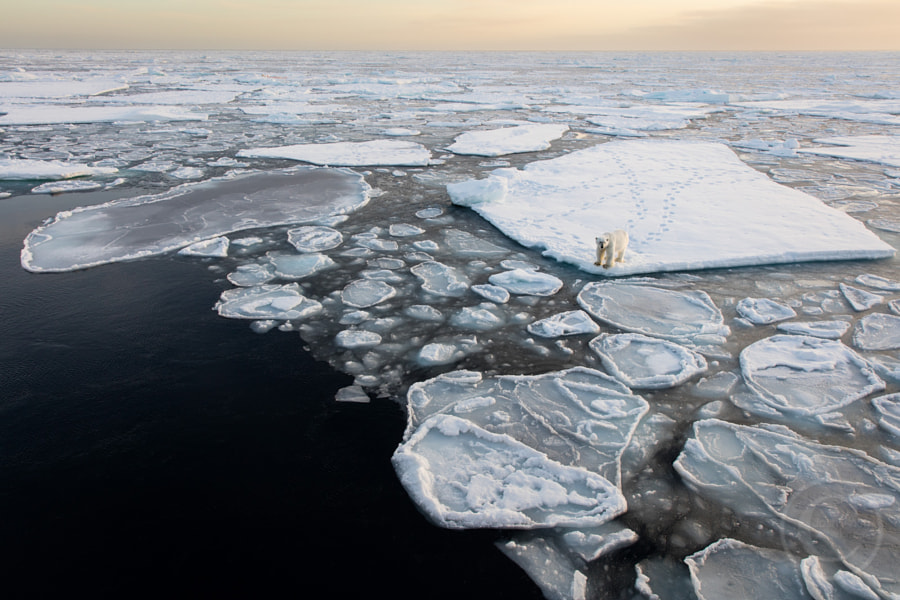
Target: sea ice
(439,353)
(888,409)
(507,140)
(147,225)
(251,274)
(685,205)
(494,293)
(22,169)
(587,415)
(363,293)
(314,238)
(440,279)
(824,329)
(804,376)
(483,317)
(274,302)
(548,566)
(685,317)
(643,362)
(883,149)
(763,311)
(859,299)
(51,115)
(573,322)
(349,154)
(527,282)
(466,245)
(735,570)
(462,476)
(877,331)
(63,187)
(216,247)
(829,498)
(357,338)
(299,266)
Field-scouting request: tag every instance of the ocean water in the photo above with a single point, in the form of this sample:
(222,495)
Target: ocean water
(150,447)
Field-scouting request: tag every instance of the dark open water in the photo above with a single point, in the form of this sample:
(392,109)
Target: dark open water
(149,448)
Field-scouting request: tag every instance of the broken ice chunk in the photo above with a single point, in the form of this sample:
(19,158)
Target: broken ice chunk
(357,338)
(405,230)
(314,238)
(831,330)
(573,322)
(762,311)
(483,317)
(643,362)
(829,498)
(462,476)
(526,282)
(280,302)
(888,409)
(363,293)
(859,299)
(548,566)
(494,293)
(878,282)
(466,245)
(440,279)
(216,247)
(251,274)
(806,376)
(735,570)
(877,331)
(299,266)
(687,318)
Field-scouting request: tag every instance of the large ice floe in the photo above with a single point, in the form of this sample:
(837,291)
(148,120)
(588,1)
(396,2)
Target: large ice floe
(884,149)
(837,503)
(148,225)
(685,205)
(507,140)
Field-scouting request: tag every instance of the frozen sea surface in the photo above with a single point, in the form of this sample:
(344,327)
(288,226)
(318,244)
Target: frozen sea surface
(731,410)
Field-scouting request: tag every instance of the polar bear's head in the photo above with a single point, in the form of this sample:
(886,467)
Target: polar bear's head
(603,241)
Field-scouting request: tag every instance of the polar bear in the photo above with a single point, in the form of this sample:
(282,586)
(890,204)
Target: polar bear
(611,248)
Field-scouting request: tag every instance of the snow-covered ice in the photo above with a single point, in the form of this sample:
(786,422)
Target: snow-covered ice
(685,205)
(884,149)
(528,282)
(349,154)
(279,302)
(763,311)
(877,331)
(314,238)
(11,168)
(216,247)
(507,140)
(572,322)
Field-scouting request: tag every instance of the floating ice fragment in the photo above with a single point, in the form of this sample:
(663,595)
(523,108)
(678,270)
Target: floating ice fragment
(438,353)
(440,279)
(507,140)
(832,330)
(735,570)
(493,293)
(299,266)
(405,230)
(252,274)
(643,362)
(878,282)
(12,169)
(357,338)
(363,293)
(466,245)
(684,317)
(349,154)
(884,149)
(216,247)
(352,393)
(877,331)
(280,302)
(531,283)
(663,578)
(548,566)
(573,322)
(424,312)
(62,187)
(49,115)
(805,376)
(578,417)
(147,225)
(805,490)
(859,299)
(663,192)
(430,213)
(484,317)
(763,311)
(888,409)
(314,238)
(462,476)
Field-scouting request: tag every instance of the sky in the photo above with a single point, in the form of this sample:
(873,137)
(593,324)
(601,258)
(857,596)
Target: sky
(407,25)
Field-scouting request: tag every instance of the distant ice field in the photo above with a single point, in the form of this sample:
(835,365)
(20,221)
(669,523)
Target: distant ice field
(723,404)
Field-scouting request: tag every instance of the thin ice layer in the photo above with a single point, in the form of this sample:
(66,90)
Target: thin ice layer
(462,476)
(831,498)
(147,225)
(507,140)
(349,154)
(642,362)
(685,205)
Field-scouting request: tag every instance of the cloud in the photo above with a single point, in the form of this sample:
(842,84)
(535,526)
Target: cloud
(793,26)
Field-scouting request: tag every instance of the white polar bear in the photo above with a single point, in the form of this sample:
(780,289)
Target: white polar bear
(611,247)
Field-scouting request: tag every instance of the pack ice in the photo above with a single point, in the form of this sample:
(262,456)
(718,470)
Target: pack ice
(148,225)
(685,205)
(771,474)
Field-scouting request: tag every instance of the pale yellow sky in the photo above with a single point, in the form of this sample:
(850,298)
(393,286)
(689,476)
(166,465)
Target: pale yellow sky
(454,24)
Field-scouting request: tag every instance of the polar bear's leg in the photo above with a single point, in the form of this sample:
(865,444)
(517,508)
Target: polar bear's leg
(610,254)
